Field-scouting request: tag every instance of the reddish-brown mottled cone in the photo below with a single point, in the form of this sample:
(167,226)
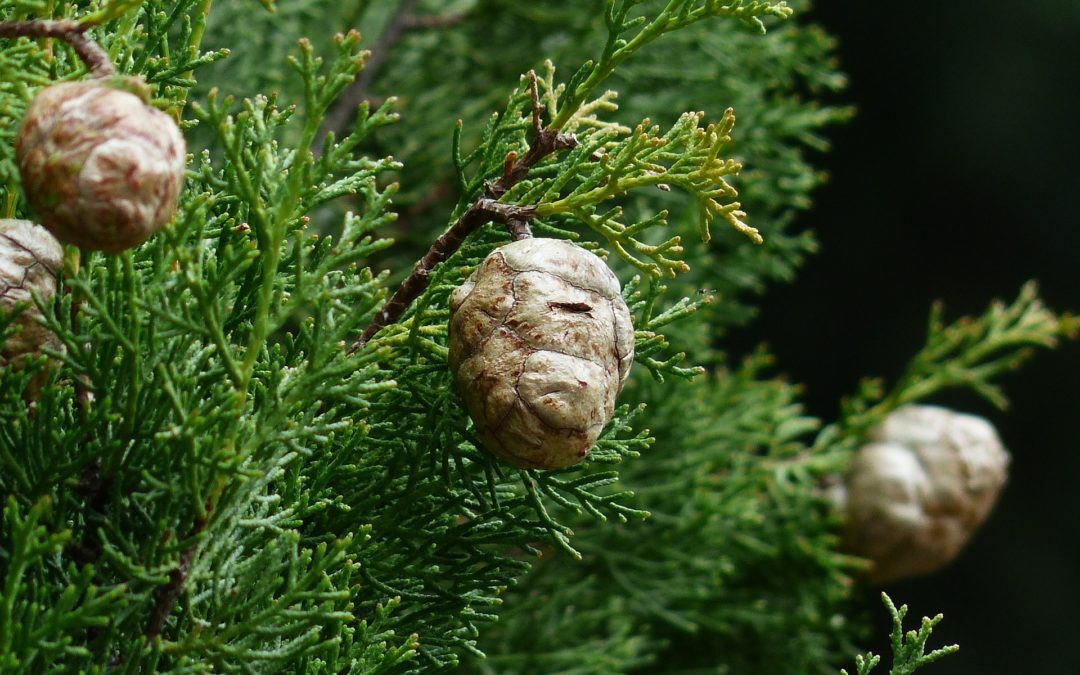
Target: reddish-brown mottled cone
(29,260)
(102,169)
(917,492)
(541,343)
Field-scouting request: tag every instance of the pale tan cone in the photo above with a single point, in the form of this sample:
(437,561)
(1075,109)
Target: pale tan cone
(541,343)
(920,488)
(29,260)
(102,169)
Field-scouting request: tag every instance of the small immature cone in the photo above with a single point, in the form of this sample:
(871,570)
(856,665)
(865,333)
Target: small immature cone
(29,260)
(919,490)
(541,343)
(102,168)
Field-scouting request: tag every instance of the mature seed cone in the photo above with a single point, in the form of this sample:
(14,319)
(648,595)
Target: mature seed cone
(29,259)
(102,169)
(540,345)
(919,490)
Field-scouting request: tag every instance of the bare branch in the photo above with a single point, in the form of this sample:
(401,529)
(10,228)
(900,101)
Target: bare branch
(165,596)
(434,21)
(484,210)
(339,117)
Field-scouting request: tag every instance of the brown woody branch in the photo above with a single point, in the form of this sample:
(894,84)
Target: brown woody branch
(434,21)
(341,115)
(484,210)
(94,488)
(404,20)
(70,31)
(519,228)
(165,596)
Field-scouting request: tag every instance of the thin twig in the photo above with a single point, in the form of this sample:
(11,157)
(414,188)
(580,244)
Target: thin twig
(95,489)
(339,117)
(438,193)
(519,228)
(83,396)
(94,486)
(484,210)
(434,21)
(165,596)
(547,141)
(70,31)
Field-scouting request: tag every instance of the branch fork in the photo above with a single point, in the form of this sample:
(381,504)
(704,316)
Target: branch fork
(485,209)
(70,31)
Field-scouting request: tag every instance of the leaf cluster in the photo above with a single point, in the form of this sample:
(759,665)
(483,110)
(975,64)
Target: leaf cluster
(909,649)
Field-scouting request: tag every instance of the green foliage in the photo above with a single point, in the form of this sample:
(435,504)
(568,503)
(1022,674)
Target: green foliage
(772,81)
(967,353)
(738,520)
(213,481)
(909,649)
(41,629)
(736,552)
(687,156)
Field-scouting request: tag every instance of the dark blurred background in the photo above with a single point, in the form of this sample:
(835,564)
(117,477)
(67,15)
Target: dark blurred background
(959,179)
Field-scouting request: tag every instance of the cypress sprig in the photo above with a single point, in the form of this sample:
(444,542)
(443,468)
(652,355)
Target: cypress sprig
(629,32)
(969,353)
(908,649)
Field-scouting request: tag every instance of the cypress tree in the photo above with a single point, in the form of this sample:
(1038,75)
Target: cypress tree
(240,447)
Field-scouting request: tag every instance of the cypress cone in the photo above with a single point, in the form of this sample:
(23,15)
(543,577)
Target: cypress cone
(29,260)
(918,491)
(101,167)
(541,343)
